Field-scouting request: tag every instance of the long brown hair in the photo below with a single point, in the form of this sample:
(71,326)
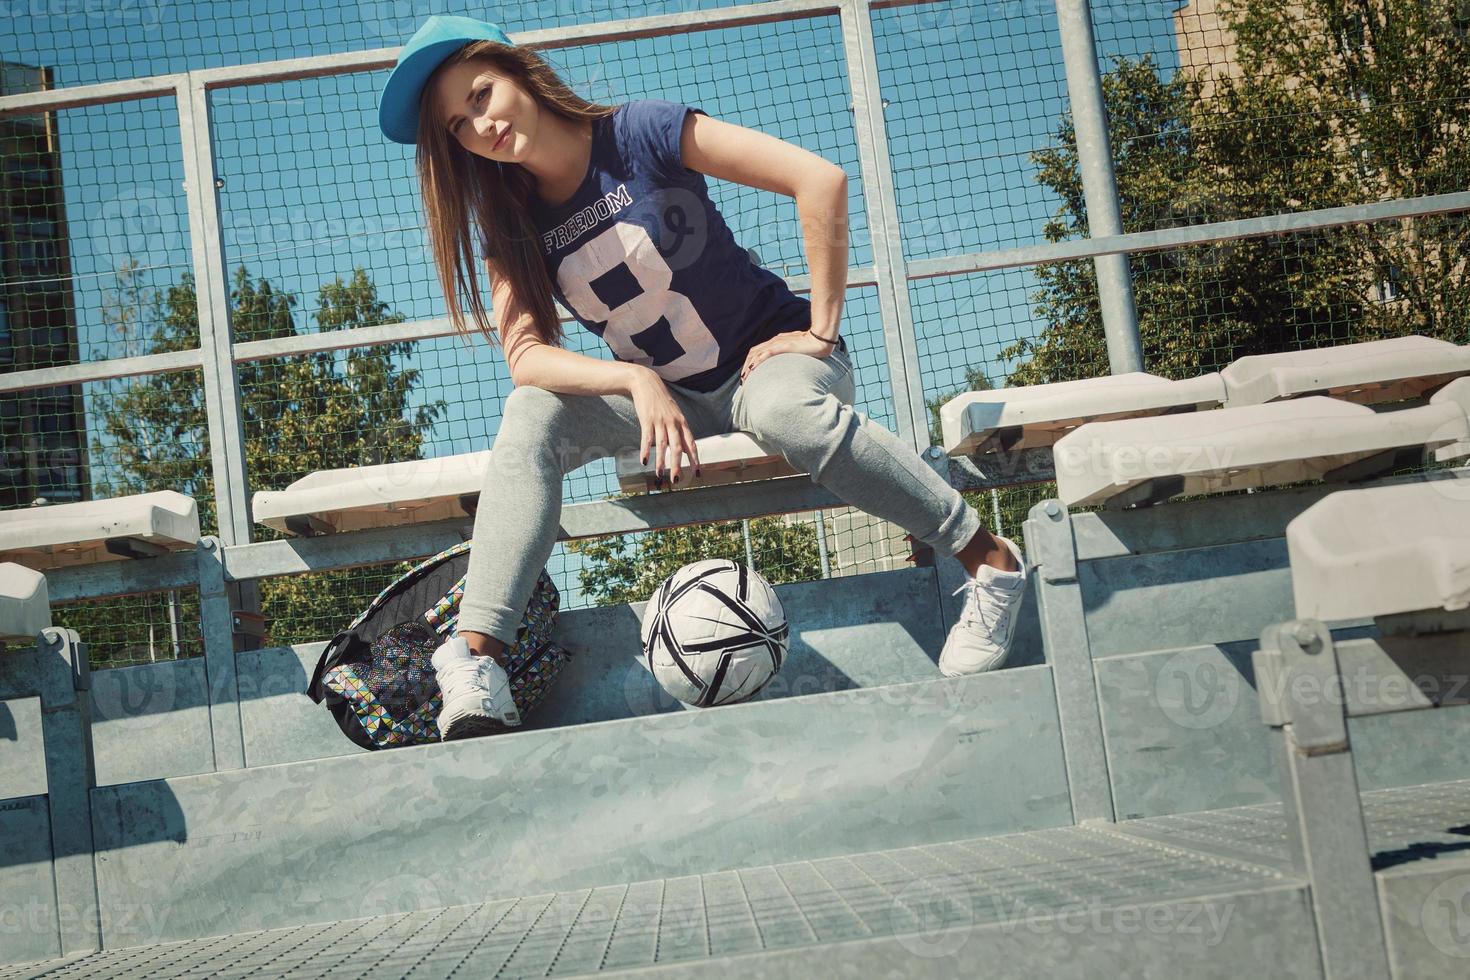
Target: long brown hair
(457,185)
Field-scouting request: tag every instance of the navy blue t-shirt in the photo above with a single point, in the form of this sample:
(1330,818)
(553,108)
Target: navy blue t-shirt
(642,258)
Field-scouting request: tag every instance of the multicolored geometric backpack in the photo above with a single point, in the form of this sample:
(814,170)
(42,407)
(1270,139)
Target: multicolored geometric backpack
(376,678)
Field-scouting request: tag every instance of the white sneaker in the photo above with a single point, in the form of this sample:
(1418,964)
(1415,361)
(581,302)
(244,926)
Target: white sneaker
(475,692)
(981,639)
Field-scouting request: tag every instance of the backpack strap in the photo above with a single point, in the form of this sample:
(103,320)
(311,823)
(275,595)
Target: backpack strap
(336,649)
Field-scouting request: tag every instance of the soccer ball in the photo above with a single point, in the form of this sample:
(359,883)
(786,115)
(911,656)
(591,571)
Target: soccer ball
(714,633)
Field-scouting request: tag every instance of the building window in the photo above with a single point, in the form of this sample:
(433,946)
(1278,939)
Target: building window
(1366,170)
(27,169)
(1352,34)
(37,256)
(1390,288)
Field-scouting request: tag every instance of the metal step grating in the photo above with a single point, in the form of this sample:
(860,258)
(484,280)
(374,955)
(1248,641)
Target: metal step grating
(1403,823)
(897,893)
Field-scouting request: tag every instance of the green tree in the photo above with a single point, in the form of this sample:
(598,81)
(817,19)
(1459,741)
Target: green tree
(627,568)
(1323,114)
(302,413)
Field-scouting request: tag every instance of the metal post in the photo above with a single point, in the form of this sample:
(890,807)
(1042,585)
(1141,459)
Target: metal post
(222,398)
(899,340)
(1052,547)
(225,418)
(66,723)
(1099,185)
(226,726)
(1298,672)
(745,533)
(221,385)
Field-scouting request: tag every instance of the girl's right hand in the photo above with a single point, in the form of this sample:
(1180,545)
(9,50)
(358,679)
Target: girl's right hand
(664,426)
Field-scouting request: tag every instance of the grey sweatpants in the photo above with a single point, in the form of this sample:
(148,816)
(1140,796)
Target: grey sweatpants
(797,404)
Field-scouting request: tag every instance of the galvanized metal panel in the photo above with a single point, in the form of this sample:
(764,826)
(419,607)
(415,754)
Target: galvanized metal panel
(670,794)
(1426,915)
(1184,733)
(1182,598)
(281,724)
(1410,749)
(29,923)
(22,758)
(150,721)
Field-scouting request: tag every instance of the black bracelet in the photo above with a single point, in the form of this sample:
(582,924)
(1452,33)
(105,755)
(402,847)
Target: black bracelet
(824,340)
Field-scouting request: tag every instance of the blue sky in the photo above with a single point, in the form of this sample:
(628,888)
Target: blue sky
(311,189)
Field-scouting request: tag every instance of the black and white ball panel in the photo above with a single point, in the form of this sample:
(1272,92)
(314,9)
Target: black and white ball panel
(714,633)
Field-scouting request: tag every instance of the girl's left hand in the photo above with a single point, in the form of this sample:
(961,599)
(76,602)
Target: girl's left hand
(800,341)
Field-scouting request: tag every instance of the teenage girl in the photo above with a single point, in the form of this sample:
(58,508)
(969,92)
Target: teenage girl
(605,208)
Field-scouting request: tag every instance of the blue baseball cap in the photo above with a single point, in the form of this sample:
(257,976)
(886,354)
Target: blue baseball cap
(440,37)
